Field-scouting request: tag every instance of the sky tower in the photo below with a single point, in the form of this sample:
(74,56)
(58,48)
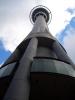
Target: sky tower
(39,68)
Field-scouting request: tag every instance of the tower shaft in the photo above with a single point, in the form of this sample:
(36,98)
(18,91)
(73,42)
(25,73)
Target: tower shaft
(40,25)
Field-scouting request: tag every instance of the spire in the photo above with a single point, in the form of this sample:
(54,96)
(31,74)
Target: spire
(40,17)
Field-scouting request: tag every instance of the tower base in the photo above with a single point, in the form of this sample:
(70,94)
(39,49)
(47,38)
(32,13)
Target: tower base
(49,86)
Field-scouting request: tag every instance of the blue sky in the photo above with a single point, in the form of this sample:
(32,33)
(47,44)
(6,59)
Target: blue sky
(66,31)
(15,24)
(3,53)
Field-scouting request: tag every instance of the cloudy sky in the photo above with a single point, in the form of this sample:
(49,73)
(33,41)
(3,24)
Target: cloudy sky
(15,24)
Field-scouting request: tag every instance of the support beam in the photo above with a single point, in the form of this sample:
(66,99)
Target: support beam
(19,87)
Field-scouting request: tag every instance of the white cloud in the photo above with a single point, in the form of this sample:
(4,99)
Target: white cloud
(69,44)
(1,64)
(60,17)
(15,24)
(13,34)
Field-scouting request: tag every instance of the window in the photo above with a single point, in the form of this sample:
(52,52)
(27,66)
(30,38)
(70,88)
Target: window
(5,71)
(52,65)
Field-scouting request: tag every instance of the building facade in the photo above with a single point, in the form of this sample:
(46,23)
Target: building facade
(39,68)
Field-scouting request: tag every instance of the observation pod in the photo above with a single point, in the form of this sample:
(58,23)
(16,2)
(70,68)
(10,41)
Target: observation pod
(39,68)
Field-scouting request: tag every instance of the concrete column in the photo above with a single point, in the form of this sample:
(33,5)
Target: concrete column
(20,86)
(40,25)
(61,53)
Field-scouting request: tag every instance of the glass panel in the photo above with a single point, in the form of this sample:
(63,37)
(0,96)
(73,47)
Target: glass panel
(5,71)
(43,65)
(51,65)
